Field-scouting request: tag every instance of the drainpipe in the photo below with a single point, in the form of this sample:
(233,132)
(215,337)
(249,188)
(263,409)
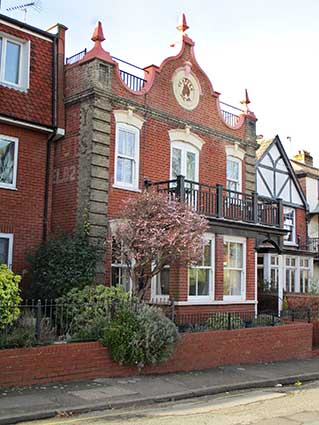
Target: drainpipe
(50,138)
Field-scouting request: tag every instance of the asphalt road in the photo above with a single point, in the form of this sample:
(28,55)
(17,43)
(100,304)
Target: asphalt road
(297,405)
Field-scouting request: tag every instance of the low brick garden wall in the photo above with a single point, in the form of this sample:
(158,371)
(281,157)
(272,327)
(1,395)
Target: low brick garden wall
(195,351)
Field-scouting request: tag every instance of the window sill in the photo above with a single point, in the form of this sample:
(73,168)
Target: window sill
(8,187)
(212,302)
(14,87)
(130,189)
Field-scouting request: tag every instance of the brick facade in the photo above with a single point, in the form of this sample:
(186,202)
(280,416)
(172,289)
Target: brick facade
(32,117)
(196,351)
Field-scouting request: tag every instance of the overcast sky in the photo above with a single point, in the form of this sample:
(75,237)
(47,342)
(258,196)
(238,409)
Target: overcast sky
(270,47)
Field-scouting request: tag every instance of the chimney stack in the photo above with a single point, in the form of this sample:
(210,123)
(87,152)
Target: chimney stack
(304,157)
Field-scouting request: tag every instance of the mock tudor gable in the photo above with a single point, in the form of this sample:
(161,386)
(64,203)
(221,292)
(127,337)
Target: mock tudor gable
(275,177)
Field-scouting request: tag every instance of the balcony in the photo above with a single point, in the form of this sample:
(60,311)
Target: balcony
(220,203)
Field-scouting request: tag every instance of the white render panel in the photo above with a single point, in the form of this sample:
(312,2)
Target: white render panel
(313,228)
(312,192)
(281,165)
(280,181)
(269,177)
(274,152)
(285,194)
(295,197)
(267,161)
(261,187)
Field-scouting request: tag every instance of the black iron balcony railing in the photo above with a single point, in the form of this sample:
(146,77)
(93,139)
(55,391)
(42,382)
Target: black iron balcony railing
(230,114)
(76,57)
(218,202)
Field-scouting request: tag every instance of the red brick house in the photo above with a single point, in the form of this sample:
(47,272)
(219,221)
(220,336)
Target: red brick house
(31,119)
(169,128)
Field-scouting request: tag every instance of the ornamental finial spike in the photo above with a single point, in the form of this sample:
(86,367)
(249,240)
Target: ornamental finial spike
(182,24)
(246,101)
(98,33)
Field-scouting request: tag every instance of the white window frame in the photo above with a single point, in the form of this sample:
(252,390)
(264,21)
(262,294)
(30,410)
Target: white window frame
(289,268)
(242,296)
(184,147)
(12,185)
(128,121)
(211,293)
(293,241)
(135,181)
(120,265)
(303,268)
(155,296)
(239,182)
(8,236)
(24,62)
(276,269)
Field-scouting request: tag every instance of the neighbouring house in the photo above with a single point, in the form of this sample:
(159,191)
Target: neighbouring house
(167,126)
(287,269)
(31,119)
(308,177)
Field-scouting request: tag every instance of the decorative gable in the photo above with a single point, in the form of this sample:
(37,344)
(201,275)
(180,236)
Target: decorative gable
(275,177)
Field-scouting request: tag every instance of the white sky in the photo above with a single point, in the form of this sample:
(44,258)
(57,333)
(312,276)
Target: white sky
(270,47)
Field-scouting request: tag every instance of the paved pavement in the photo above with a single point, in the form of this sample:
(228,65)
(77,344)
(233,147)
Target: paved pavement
(44,401)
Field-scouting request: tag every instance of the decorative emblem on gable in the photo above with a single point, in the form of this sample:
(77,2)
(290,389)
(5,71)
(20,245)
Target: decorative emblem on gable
(186,87)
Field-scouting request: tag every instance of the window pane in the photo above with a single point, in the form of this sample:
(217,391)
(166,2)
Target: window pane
(12,62)
(203,281)
(190,166)
(176,162)
(192,281)
(0,50)
(232,282)
(208,254)
(126,143)
(235,255)
(4,250)
(232,170)
(292,281)
(6,161)
(232,186)
(260,259)
(125,170)
(162,282)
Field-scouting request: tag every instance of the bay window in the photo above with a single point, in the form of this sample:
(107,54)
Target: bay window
(201,275)
(120,275)
(160,284)
(234,268)
(291,273)
(305,270)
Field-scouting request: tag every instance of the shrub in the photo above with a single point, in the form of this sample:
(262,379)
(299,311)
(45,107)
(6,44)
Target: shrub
(265,320)
(9,296)
(62,264)
(221,321)
(140,336)
(20,334)
(87,311)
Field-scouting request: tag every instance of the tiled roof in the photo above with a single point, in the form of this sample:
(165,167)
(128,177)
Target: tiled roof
(299,167)
(264,144)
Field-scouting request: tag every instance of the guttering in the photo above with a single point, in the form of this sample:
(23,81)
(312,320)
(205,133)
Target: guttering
(26,27)
(50,139)
(25,124)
